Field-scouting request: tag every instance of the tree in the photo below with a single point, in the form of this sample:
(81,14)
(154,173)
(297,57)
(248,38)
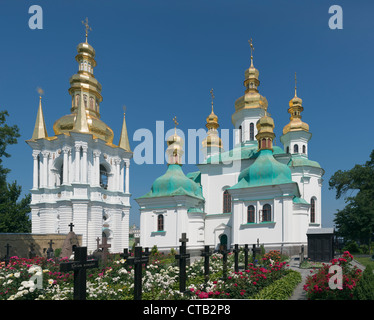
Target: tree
(13,211)
(356,220)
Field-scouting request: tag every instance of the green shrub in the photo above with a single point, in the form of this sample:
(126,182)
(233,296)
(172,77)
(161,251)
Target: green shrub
(280,289)
(352,247)
(154,250)
(365,287)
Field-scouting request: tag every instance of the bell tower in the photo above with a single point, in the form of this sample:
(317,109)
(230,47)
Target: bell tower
(80,176)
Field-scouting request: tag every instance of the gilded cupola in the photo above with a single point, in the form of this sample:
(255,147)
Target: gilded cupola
(251,99)
(175,143)
(85,90)
(265,135)
(212,143)
(295,109)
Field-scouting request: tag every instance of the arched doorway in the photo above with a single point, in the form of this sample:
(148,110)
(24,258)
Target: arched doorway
(222,242)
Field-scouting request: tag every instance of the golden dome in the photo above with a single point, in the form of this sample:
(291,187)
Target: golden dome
(265,123)
(95,126)
(84,88)
(175,146)
(251,99)
(265,135)
(295,109)
(212,140)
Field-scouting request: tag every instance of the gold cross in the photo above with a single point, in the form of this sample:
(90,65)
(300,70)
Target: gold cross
(252,48)
(88,28)
(295,84)
(212,94)
(175,121)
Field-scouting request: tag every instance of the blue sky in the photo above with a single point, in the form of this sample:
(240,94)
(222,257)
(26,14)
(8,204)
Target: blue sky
(161,58)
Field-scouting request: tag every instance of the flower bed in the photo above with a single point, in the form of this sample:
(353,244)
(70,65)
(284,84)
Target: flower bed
(160,281)
(318,288)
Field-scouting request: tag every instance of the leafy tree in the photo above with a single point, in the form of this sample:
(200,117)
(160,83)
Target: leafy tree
(13,212)
(356,220)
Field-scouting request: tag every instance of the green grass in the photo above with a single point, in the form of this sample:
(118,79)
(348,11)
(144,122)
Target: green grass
(306,264)
(366,261)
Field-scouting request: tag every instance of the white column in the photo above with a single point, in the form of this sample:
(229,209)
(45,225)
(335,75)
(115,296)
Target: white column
(118,174)
(127,183)
(77,161)
(84,164)
(96,173)
(51,175)
(35,181)
(44,175)
(71,168)
(122,177)
(65,150)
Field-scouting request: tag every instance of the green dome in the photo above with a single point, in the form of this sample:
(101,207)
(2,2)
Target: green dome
(264,171)
(174,183)
(302,161)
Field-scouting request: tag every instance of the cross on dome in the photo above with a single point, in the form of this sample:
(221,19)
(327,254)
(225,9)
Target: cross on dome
(87,27)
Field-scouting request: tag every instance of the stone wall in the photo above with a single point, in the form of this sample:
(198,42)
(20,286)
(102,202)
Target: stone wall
(20,243)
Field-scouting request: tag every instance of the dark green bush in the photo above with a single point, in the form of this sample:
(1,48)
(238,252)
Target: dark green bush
(352,247)
(280,289)
(365,287)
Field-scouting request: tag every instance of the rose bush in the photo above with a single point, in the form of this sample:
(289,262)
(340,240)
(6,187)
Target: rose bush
(317,285)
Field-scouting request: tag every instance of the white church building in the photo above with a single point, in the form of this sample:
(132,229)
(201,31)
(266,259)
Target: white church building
(79,175)
(256,191)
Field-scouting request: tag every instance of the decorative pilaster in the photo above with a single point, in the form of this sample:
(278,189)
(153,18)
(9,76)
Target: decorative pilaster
(96,173)
(77,161)
(127,182)
(84,164)
(66,168)
(35,181)
(117,163)
(44,176)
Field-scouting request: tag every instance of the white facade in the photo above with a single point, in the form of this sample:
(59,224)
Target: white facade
(68,186)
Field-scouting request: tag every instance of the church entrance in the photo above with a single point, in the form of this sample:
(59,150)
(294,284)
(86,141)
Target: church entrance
(222,242)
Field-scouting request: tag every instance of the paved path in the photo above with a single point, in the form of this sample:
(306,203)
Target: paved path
(299,293)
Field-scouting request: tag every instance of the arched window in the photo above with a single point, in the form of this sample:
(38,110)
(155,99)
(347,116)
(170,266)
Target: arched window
(61,175)
(263,144)
(304,149)
(312,210)
(103,177)
(240,134)
(288,150)
(160,222)
(268,143)
(251,214)
(266,212)
(226,202)
(251,131)
(296,148)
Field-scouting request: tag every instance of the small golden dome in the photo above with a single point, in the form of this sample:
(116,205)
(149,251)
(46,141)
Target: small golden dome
(265,122)
(295,109)
(175,147)
(265,135)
